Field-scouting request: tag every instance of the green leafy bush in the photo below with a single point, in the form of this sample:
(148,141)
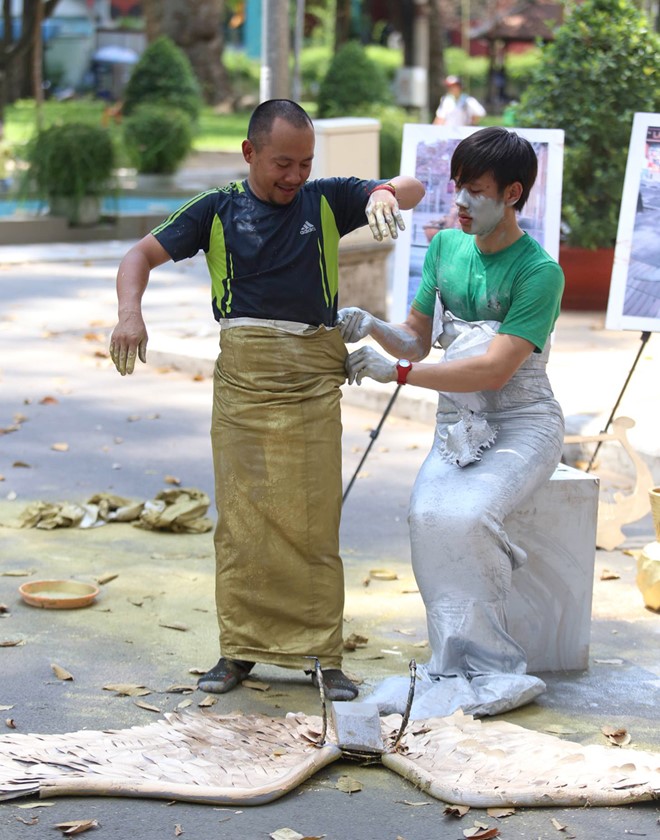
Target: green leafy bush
(242,73)
(602,67)
(71,161)
(163,76)
(158,138)
(392,120)
(353,83)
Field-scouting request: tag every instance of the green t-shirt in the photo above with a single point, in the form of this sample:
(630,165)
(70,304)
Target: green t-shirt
(521,286)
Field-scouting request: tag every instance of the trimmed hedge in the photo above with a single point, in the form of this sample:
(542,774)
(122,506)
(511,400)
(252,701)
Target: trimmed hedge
(158,138)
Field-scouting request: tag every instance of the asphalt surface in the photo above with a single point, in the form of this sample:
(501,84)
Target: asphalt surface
(131,435)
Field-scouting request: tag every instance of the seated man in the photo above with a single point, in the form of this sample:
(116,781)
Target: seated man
(495,294)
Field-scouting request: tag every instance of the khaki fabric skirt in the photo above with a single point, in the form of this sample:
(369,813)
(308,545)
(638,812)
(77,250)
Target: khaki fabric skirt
(276,435)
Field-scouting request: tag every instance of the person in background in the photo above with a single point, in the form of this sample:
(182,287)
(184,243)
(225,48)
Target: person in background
(271,244)
(490,296)
(457,108)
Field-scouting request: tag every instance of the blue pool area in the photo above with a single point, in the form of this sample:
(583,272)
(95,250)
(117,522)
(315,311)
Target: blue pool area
(123,205)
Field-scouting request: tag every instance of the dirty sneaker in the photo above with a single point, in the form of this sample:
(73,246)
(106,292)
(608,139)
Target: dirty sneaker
(336,684)
(224,676)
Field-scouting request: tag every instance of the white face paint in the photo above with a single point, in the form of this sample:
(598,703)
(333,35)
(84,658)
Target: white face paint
(478,214)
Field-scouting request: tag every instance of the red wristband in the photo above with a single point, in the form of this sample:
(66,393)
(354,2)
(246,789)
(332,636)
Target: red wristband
(389,187)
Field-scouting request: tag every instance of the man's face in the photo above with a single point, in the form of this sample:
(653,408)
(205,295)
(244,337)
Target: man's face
(280,167)
(480,205)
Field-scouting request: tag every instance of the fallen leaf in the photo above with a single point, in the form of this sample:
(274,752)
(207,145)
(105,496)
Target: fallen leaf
(76,826)
(33,821)
(286,834)
(147,706)
(207,701)
(481,832)
(174,626)
(48,401)
(348,784)
(456,810)
(107,578)
(127,689)
(424,643)
(22,465)
(197,671)
(607,575)
(500,813)
(6,708)
(60,447)
(10,723)
(560,729)
(29,805)
(609,661)
(172,479)
(17,573)
(184,704)
(92,336)
(619,737)
(405,631)
(181,689)
(6,430)
(4,609)
(133,418)
(256,685)
(178,831)
(12,643)
(412,804)
(355,641)
(61,673)
(383,574)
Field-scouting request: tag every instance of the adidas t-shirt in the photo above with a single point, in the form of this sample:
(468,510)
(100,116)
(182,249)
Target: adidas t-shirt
(267,260)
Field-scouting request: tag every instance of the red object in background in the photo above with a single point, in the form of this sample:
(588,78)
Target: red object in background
(588,274)
(124,8)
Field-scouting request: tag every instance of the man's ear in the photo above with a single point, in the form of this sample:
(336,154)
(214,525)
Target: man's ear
(248,151)
(512,193)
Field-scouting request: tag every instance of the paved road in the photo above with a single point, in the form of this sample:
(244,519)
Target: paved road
(126,435)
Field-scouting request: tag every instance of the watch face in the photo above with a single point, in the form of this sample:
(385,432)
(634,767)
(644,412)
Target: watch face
(404,363)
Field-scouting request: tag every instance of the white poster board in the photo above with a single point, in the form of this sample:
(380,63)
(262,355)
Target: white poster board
(634,300)
(426,154)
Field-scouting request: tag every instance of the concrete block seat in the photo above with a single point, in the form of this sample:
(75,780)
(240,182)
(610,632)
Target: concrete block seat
(549,609)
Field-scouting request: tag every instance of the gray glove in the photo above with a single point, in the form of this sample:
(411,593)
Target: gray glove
(367,362)
(354,323)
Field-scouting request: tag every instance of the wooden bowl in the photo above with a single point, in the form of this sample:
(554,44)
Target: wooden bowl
(58,594)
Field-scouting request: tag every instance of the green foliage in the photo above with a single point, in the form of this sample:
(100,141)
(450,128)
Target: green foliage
(388,60)
(158,138)
(473,70)
(314,64)
(71,161)
(392,120)
(602,67)
(242,72)
(353,82)
(163,76)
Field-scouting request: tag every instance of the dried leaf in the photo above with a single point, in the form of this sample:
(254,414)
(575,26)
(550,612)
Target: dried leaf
(4,609)
(348,784)
(456,810)
(184,704)
(107,578)
(607,575)
(500,813)
(174,626)
(256,685)
(481,833)
(286,834)
(36,805)
(178,831)
(412,804)
(10,723)
(6,708)
(60,447)
(133,418)
(609,661)
(61,673)
(556,824)
(207,702)
(33,821)
(48,401)
(8,429)
(405,631)
(355,641)
(76,826)
(92,336)
(172,479)
(383,574)
(22,465)
(147,706)
(127,689)
(17,573)
(181,689)
(619,737)
(560,729)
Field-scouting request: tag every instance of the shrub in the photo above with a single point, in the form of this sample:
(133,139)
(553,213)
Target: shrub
(602,67)
(158,138)
(70,161)
(352,84)
(392,120)
(163,76)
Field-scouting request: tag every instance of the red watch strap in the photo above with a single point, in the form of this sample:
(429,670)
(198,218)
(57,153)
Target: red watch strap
(402,374)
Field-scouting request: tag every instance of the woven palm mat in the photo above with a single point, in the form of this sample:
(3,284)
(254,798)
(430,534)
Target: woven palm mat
(250,760)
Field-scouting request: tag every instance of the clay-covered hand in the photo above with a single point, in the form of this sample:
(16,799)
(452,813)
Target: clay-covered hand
(383,215)
(128,342)
(367,362)
(354,323)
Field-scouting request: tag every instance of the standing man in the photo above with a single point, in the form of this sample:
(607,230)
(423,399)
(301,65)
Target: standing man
(271,245)
(495,294)
(457,108)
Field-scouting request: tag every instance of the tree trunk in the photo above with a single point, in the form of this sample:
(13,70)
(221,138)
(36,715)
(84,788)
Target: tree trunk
(196,27)
(342,23)
(436,54)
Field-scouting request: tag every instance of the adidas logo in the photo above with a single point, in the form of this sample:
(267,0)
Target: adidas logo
(308,227)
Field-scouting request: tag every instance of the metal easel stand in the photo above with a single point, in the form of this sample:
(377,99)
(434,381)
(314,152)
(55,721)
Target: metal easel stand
(644,338)
(373,434)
